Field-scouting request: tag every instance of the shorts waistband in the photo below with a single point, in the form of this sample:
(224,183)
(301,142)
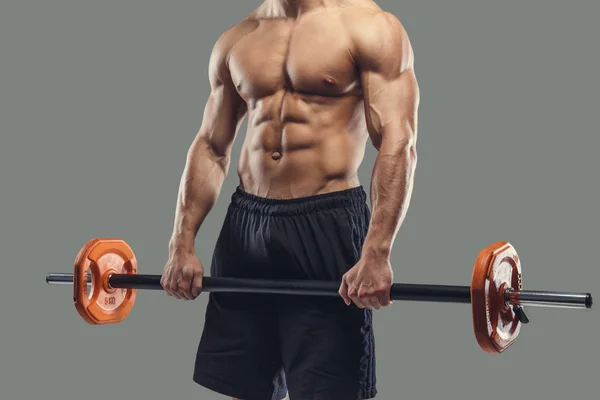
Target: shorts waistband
(302,205)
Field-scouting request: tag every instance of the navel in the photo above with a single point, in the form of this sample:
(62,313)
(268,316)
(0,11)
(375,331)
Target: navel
(276,155)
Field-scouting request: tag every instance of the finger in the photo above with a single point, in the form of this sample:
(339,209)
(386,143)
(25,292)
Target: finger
(164,278)
(344,292)
(185,283)
(197,284)
(165,281)
(374,302)
(366,294)
(384,298)
(363,298)
(183,295)
(174,293)
(174,283)
(353,294)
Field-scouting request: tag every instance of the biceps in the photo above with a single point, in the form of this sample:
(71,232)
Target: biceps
(223,114)
(391,107)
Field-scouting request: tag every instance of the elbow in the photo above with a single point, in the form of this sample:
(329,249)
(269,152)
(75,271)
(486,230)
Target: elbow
(404,149)
(410,154)
(408,144)
(411,149)
(404,145)
(208,149)
(407,156)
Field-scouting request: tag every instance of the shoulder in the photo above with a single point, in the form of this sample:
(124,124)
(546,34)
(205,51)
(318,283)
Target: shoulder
(230,37)
(219,58)
(377,37)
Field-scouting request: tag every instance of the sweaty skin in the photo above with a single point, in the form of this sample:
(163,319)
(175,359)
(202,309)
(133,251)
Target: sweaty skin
(316,83)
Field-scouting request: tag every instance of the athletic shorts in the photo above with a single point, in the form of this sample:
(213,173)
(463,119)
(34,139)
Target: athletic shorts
(258,346)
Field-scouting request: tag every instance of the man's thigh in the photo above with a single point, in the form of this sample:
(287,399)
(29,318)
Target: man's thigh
(239,352)
(328,349)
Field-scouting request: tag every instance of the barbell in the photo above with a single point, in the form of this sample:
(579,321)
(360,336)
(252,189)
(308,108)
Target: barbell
(105,283)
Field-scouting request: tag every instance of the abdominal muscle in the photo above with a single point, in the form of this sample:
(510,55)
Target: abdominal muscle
(300,145)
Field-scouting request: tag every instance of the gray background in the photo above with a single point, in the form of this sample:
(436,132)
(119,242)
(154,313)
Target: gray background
(99,101)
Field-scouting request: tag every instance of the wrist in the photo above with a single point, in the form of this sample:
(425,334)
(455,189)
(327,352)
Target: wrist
(377,251)
(181,246)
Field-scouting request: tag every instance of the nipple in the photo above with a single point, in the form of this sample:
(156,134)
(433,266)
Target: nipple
(276,155)
(329,81)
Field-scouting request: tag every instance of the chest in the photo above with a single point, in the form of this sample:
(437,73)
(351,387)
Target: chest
(310,57)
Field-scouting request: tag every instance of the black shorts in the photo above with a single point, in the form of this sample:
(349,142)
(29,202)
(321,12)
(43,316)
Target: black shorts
(257,347)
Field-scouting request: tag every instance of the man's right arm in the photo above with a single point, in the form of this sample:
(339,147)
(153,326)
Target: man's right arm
(206,167)
(208,157)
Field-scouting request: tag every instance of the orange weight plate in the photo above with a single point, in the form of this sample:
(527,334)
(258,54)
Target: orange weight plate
(94,299)
(497,269)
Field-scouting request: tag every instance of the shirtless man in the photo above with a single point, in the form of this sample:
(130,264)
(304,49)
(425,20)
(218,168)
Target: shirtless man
(316,79)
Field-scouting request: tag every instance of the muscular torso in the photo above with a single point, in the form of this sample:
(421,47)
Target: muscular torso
(306,129)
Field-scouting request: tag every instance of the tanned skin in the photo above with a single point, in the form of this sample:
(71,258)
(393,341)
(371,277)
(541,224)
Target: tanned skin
(316,84)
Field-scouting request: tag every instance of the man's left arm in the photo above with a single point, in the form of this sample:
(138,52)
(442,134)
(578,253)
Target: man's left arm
(385,60)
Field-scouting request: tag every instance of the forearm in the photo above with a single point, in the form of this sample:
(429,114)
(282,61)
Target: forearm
(391,189)
(200,185)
